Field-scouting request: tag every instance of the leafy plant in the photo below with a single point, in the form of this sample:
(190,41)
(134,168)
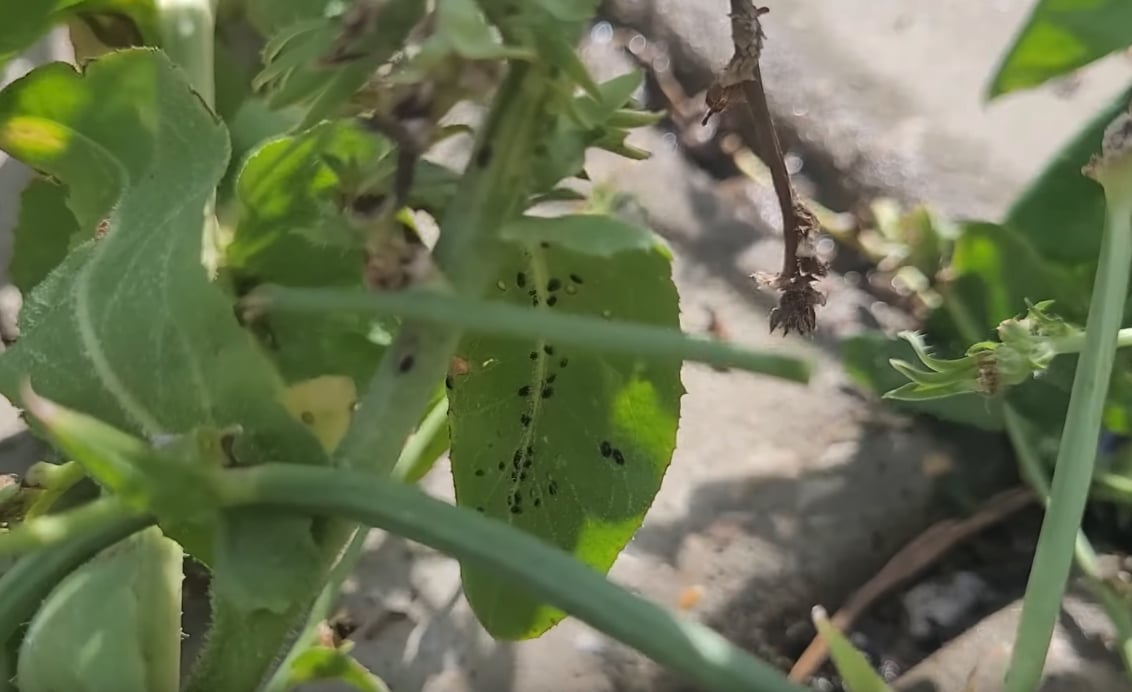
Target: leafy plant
(233,323)
(1051,384)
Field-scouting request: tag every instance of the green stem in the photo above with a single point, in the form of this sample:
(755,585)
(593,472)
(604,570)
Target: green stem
(53,529)
(489,196)
(1086,557)
(1073,472)
(491,193)
(188,37)
(511,320)
(551,574)
(338,574)
(1075,342)
(33,577)
(416,459)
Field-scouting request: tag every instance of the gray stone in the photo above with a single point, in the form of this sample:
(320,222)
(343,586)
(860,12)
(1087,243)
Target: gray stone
(1080,657)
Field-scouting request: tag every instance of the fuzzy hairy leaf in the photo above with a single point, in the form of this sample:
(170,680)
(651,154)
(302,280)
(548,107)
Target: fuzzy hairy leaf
(567,444)
(128,327)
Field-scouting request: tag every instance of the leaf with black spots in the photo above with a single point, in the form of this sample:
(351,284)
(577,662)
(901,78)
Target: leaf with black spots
(566,443)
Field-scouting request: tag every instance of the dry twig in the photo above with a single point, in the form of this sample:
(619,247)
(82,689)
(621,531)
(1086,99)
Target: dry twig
(924,550)
(742,81)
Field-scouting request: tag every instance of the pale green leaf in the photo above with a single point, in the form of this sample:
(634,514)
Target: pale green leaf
(124,607)
(565,443)
(128,327)
(324,663)
(292,231)
(592,234)
(851,664)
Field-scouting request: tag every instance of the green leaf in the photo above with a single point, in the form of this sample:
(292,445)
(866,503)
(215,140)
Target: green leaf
(851,664)
(1062,212)
(123,606)
(270,16)
(129,326)
(1061,36)
(292,232)
(461,25)
(26,22)
(565,443)
(324,663)
(294,73)
(687,647)
(997,270)
(44,232)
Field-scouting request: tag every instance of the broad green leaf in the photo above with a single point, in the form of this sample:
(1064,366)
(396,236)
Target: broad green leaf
(866,358)
(128,327)
(567,444)
(325,663)
(851,664)
(1061,213)
(43,234)
(124,607)
(997,270)
(292,231)
(1061,36)
(26,22)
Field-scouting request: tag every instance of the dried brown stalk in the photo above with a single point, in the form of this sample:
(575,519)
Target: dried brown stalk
(741,81)
(912,559)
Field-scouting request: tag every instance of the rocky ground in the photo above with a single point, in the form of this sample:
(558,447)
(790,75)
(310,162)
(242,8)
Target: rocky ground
(781,496)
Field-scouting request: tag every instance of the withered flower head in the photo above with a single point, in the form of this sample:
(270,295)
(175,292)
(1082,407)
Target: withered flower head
(796,309)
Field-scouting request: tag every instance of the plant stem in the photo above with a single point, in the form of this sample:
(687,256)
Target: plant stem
(321,609)
(1073,472)
(188,37)
(512,320)
(415,459)
(492,193)
(53,529)
(1085,556)
(1075,342)
(550,574)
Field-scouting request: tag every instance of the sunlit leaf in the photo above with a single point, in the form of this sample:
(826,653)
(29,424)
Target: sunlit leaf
(292,231)
(1061,36)
(567,444)
(1061,213)
(325,663)
(128,327)
(854,668)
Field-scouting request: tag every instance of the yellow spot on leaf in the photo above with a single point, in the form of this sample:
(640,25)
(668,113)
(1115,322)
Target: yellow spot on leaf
(324,404)
(34,138)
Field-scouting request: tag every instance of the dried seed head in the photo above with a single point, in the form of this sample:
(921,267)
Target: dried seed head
(796,308)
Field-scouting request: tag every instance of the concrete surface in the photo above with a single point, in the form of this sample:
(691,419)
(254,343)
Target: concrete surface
(1080,659)
(779,496)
